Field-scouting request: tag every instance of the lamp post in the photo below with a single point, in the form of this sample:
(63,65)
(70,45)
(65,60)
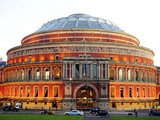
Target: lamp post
(71,92)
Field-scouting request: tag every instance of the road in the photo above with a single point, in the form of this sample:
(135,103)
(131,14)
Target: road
(87,116)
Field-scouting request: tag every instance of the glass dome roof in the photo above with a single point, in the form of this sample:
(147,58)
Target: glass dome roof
(79,21)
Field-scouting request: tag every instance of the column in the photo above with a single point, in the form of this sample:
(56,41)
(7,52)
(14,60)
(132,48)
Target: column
(106,70)
(32,73)
(126,74)
(133,74)
(107,95)
(70,70)
(80,70)
(117,74)
(108,76)
(41,73)
(25,74)
(51,73)
(64,72)
(91,71)
(73,70)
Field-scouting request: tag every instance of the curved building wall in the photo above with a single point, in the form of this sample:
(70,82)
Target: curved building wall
(80,68)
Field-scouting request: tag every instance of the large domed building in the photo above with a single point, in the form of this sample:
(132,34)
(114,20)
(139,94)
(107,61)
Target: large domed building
(79,62)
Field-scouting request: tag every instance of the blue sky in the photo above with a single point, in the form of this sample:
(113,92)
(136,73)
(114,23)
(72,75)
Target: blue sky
(141,18)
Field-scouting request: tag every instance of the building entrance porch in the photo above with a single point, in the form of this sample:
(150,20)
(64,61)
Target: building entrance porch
(85,98)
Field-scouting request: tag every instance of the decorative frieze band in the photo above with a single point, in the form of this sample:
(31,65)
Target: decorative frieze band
(75,49)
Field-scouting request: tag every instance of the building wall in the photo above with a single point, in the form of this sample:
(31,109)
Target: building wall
(121,64)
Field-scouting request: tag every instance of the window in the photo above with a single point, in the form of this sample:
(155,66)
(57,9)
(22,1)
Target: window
(120,74)
(130,92)
(29,59)
(129,75)
(22,75)
(121,92)
(56,91)
(136,75)
(28,92)
(143,78)
(17,75)
(37,75)
(111,58)
(10,91)
(112,92)
(111,74)
(21,91)
(57,73)
(143,92)
(57,58)
(94,70)
(104,70)
(36,91)
(47,74)
(148,92)
(137,92)
(68,70)
(29,75)
(86,70)
(15,91)
(77,70)
(45,91)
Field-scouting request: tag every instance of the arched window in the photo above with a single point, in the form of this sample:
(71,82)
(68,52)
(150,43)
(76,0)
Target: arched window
(143,77)
(28,92)
(147,77)
(111,74)
(112,92)
(17,75)
(29,74)
(129,75)
(121,92)
(47,74)
(37,74)
(120,74)
(36,91)
(21,91)
(130,92)
(137,76)
(95,71)
(45,91)
(57,73)
(137,92)
(22,75)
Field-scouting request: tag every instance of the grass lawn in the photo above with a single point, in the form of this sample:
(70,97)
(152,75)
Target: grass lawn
(38,117)
(134,118)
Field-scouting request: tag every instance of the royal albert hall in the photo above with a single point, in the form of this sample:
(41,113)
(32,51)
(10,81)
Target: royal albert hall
(76,62)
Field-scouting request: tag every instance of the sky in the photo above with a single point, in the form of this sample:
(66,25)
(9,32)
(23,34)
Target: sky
(19,18)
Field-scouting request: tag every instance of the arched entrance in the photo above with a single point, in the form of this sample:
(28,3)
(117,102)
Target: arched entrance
(85,97)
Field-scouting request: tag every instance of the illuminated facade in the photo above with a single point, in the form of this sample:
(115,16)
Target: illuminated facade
(79,61)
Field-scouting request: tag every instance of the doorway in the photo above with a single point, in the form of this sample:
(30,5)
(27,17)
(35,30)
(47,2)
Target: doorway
(86,98)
